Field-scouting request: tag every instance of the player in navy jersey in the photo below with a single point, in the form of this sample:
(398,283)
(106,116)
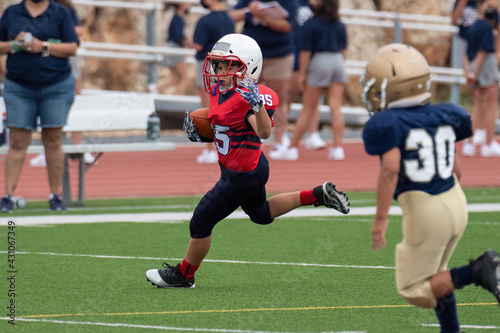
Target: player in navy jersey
(241,115)
(420,169)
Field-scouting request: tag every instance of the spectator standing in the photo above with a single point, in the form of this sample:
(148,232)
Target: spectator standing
(464,15)
(314,140)
(241,118)
(482,77)
(209,29)
(275,37)
(177,39)
(38,84)
(76,137)
(420,169)
(322,44)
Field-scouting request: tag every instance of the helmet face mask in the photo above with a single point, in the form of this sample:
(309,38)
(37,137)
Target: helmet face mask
(396,76)
(222,73)
(233,58)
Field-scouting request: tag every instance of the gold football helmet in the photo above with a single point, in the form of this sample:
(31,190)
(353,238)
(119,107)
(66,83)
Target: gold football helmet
(397,75)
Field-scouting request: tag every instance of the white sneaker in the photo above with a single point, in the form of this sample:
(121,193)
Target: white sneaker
(207,157)
(285,154)
(468,149)
(336,154)
(479,136)
(88,158)
(285,141)
(38,161)
(152,88)
(490,150)
(315,142)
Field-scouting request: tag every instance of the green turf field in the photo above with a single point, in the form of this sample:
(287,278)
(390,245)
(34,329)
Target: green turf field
(314,274)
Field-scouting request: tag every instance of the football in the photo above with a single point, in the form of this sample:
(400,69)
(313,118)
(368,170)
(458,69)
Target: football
(203,125)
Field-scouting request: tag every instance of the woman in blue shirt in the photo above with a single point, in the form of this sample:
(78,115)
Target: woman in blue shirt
(322,44)
(482,77)
(38,36)
(177,39)
(209,29)
(273,30)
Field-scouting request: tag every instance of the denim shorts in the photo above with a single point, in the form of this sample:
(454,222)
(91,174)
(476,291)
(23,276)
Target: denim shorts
(50,104)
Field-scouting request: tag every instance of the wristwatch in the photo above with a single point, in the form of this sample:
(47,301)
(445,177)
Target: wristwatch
(45,51)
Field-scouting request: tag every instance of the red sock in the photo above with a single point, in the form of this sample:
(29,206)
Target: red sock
(187,270)
(308,198)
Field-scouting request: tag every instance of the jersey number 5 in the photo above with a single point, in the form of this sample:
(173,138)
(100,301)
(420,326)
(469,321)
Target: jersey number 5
(222,140)
(436,154)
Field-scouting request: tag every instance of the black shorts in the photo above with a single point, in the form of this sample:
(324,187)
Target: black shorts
(245,189)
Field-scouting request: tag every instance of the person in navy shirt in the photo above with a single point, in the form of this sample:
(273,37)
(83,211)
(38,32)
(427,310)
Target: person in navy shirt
(38,36)
(314,140)
(415,141)
(322,45)
(482,76)
(276,39)
(177,38)
(76,71)
(209,29)
(241,114)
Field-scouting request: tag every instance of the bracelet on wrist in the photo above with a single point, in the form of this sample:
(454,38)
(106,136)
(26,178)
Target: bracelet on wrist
(16,47)
(46,49)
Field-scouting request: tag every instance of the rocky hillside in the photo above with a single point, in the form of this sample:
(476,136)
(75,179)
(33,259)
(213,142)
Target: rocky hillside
(126,26)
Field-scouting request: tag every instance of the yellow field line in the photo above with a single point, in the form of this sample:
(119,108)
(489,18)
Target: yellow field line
(238,310)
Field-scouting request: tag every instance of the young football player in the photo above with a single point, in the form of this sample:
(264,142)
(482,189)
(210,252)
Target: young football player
(420,169)
(241,115)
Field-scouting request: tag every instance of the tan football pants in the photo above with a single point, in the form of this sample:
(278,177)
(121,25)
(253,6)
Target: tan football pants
(432,227)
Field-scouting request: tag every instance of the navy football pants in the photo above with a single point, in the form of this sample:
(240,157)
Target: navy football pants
(230,192)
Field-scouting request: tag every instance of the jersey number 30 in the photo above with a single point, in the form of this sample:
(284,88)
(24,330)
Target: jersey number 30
(437,154)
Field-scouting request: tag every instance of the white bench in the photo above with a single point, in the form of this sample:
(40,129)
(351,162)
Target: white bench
(110,112)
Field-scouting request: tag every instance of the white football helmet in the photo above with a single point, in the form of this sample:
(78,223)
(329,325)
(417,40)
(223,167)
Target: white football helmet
(397,75)
(233,49)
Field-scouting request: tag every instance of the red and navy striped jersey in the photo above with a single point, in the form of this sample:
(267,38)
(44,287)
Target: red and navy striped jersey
(238,145)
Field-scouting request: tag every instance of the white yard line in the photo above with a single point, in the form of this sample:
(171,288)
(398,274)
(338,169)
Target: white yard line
(479,327)
(99,256)
(164,328)
(179,217)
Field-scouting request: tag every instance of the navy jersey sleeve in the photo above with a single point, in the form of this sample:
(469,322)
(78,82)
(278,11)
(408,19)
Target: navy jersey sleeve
(458,118)
(379,134)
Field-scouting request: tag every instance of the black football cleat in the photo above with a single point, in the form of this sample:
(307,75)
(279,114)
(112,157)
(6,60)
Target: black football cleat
(486,272)
(6,205)
(170,277)
(330,197)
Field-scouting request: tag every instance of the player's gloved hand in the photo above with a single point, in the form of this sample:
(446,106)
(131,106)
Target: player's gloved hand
(190,128)
(252,96)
